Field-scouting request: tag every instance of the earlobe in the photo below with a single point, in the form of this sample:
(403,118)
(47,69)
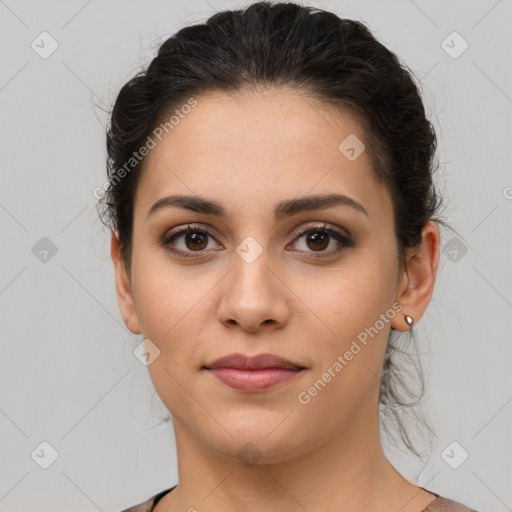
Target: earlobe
(123,287)
(419,278)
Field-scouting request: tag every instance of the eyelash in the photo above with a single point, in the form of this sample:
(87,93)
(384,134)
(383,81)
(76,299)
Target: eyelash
(333,231)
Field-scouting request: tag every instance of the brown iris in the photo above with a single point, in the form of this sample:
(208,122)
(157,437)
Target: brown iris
(319,240)
(196,241)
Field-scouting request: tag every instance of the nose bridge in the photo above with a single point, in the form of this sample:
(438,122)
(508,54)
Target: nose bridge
(250,278)
(252,294)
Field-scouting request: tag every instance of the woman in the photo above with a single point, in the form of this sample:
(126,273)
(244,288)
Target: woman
(273,220)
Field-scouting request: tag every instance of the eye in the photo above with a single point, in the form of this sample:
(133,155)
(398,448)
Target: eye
(187,240)
(319,238)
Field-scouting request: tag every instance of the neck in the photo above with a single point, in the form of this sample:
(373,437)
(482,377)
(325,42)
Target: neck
(348,471)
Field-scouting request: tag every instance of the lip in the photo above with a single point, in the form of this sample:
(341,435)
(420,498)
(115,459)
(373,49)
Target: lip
(261,361)
(258,373)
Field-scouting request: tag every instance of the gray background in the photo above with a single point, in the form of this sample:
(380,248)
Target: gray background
(68,373)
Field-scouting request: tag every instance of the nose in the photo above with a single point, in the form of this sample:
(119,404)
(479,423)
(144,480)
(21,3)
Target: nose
(254,296)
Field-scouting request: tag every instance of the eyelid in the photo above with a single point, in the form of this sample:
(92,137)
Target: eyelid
(191,226)
(321,226)
(342,236)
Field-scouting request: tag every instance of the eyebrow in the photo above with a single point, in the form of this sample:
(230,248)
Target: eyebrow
(282,209)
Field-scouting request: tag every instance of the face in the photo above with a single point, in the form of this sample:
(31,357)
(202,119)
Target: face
(305,281)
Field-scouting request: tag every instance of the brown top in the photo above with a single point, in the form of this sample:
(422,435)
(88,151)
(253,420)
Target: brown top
(440,504)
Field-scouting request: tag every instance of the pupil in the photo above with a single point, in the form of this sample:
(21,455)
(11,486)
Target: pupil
(318,238)
(194,239)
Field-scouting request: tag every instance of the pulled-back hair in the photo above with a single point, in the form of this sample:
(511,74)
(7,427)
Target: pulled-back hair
(322,56)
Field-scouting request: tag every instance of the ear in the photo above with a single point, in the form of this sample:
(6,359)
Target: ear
(123,287)
(418,278)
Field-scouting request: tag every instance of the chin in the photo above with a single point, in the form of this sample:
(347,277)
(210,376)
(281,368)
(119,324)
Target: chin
(250,452)
(258,444)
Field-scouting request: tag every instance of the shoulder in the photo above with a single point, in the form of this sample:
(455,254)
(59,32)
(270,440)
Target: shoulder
(148,505)
(145,506)
(441,504)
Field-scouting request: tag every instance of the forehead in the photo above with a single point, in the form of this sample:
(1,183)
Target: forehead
(260,147)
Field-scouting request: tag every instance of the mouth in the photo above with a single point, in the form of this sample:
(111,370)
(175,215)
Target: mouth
(252,374)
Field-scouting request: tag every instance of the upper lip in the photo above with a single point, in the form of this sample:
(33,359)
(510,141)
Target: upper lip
(258,362)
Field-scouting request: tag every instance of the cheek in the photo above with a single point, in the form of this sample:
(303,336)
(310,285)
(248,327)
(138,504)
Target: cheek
(159,291)
(355,310)
(348,364)
(173,304)
(353,298)
(171,307)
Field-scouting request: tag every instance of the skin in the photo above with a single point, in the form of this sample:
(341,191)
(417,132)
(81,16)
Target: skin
(248,152)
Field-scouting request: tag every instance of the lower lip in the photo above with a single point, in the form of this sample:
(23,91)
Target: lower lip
(253,380)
